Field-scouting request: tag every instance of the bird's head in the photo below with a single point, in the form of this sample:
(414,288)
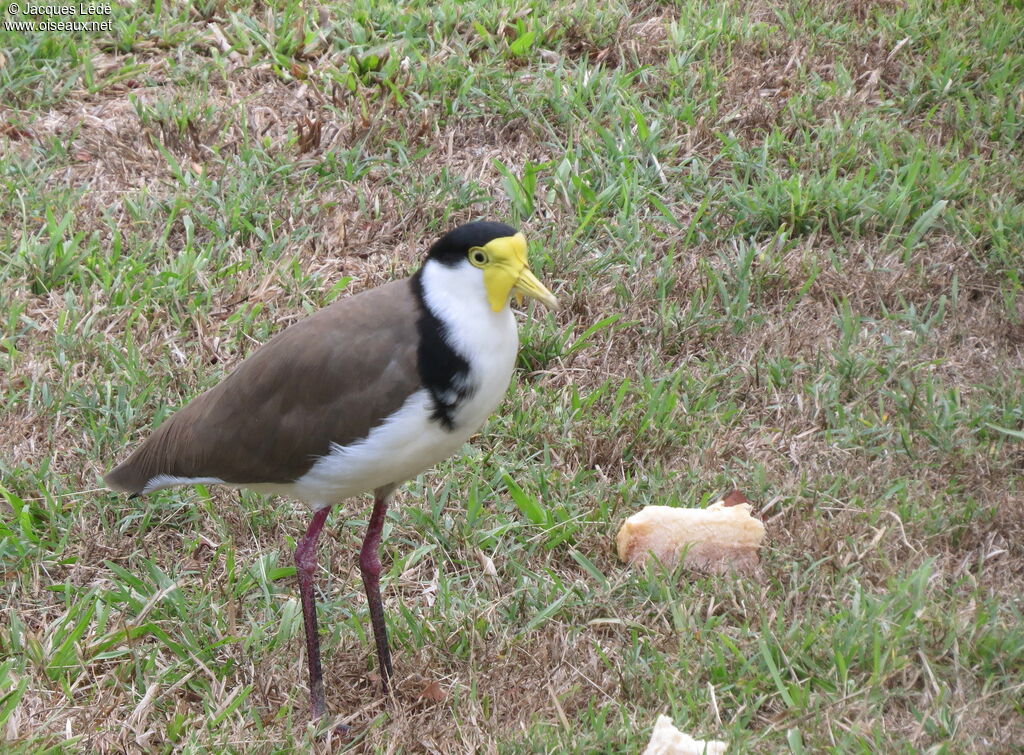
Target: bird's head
(499,251)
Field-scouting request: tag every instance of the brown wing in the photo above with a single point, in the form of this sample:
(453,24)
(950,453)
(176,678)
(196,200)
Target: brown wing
(327,379)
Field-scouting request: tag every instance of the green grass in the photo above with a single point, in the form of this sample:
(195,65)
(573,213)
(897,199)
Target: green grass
(787,238)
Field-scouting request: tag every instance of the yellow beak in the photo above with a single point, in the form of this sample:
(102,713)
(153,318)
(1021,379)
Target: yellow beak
(529,285)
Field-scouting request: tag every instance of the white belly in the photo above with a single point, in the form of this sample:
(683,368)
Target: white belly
(404,445)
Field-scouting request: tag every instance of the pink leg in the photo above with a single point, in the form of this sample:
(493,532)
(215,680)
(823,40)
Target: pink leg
(305,563)
(369,565)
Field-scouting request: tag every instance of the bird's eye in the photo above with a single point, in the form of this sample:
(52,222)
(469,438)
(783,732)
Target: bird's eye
(478,256)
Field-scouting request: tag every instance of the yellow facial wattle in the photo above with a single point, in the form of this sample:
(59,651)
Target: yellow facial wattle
(507,272)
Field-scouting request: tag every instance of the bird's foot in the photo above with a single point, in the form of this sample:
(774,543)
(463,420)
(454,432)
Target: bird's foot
(330,726)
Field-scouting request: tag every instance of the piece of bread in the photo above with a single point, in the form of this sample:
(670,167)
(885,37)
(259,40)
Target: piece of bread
(721,537)
(666,739)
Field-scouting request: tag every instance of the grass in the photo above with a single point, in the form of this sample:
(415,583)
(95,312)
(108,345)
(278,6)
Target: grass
(787,237)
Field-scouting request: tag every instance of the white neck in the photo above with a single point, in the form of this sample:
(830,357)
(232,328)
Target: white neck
(457,296)
(486,339)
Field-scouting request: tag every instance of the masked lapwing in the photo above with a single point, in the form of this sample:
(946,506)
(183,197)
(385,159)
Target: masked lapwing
(361,396)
